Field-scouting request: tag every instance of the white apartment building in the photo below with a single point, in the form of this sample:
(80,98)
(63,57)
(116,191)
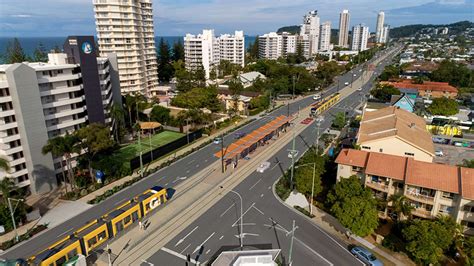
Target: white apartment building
(270,46)
(125,27)
(379,27)
(309,34)
(207,50)
(385,34)
(325,36)
(289,43)
(360,37)
(39,101)
(344,21)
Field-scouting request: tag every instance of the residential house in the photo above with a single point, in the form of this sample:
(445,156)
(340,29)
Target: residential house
(395,131)
(432,189)
(418,69)
(404,102)
(427,89)
(247,79)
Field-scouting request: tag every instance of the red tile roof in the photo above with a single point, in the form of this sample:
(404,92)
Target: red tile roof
(441,177)
(427,85)
(386,165)
(352,157)
(432,175)
(467,183)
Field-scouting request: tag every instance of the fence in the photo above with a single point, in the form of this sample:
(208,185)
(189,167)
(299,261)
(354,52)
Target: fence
(165,149)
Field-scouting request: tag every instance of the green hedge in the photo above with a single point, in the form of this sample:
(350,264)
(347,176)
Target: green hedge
(30,233)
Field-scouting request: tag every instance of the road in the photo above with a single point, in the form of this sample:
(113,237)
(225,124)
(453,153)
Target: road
(167,177)
(267,223)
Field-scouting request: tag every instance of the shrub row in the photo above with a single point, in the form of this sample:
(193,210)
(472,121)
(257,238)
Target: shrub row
(30,233)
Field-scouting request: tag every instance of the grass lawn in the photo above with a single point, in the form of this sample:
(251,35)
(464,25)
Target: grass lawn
(126,153)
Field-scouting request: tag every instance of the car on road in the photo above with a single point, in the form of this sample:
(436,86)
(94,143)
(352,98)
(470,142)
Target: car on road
(293,154)
(239,135)
(317,97)
(439,153)
(359,89)
(365,256)
(263,166)
(217,140)
(346,83)
(307,121)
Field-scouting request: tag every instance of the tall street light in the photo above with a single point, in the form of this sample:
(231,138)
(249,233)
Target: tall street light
(241,216)
(319,121)
(12,211)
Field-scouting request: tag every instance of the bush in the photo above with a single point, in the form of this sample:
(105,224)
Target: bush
(394,243)
(282,188)
(304,211)
(30,233)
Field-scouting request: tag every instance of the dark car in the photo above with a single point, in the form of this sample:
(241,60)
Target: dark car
(239,135)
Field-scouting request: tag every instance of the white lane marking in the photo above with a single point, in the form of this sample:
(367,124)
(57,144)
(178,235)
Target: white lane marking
(185,248)
(118,203)
(244,224)
(312,250)
(274,166)
(191,162)
(243,214)
(182,239)
(187,172)
(64,233)
(197,165)
(261,195)
(204,242)
(255,207)
(269,187)
(176,254)
(207,252)
(271,226)
(222,236)
(255,184)
(166,184)
(149,263)
(227,209)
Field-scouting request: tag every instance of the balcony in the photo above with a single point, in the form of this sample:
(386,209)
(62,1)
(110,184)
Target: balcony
(65,113)
(420,197)
(4,127)
(378,186)
(7,113)
(468,216)
(63,102)
(420,212)
(66,124)
(5,99)
(60,90)
(60,77)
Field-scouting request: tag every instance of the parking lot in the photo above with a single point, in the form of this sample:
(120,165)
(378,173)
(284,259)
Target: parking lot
(453,155)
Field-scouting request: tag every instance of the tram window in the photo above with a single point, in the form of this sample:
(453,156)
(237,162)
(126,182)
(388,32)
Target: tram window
(134,216)
(147,206)
(91,242)
(101,235)
(119,226)
(126,220)
(61,261)
(72,253)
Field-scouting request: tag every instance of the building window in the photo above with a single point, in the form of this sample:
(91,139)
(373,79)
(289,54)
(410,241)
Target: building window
(447,195)
(380,150)
(409,154)
(468,208)
(365,147)
(445,209)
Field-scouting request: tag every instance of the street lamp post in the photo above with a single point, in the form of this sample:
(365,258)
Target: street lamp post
(319,120)
(293,154)
(140,143)
(12,211)
(241,216)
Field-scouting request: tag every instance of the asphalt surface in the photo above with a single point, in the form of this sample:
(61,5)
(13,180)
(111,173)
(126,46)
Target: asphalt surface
(267,223)
(169,177)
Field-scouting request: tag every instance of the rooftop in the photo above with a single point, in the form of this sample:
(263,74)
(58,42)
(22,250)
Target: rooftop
(435,176)
(427,85)
(395,122)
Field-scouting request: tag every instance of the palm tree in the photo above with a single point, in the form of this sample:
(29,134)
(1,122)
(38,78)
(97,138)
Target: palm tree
(6,186)
(63,146)
(130,101)
(4,164)
(400,205)
(118,115)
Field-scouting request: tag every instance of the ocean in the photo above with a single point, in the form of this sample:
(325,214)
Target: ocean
(29,44)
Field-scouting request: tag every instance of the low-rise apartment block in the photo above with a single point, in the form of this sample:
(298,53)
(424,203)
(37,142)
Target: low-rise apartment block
(39,101)
(395,131)
(432,189)
(428,89)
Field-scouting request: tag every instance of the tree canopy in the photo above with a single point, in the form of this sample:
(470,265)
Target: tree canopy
(456,74)
(196,98)
(160,114)
(390,72)
(304,174)
(384,92)
(443,106)
(178,51)
(354,206)
(165,68)
(14,52)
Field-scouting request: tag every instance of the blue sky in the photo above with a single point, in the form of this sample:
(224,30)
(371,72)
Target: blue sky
(25,18)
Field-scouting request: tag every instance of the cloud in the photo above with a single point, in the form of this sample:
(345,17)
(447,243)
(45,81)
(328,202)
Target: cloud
(21,16)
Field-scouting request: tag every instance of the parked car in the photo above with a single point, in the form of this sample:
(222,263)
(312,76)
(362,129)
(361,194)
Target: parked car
(359,89)
(263,166)
(239,135)
(317,97)
(365,256)
(217,140)
(346,83)
(439,153)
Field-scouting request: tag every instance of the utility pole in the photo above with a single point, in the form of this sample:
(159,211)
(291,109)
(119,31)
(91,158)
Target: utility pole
(12,213)
(140,143)
(222,153)
(293,154)
(293,77)
(187,130)
(288,107)
(109,251)
(290,259)
(312,187)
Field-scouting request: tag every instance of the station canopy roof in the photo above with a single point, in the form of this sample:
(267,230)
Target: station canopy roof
(252,138)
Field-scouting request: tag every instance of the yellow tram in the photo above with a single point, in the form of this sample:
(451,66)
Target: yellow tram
(97,232)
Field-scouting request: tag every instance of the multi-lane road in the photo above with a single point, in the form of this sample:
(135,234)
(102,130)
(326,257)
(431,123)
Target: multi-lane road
(267,222)
(196,162)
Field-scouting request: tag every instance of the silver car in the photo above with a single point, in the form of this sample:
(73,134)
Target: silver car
(263,166)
